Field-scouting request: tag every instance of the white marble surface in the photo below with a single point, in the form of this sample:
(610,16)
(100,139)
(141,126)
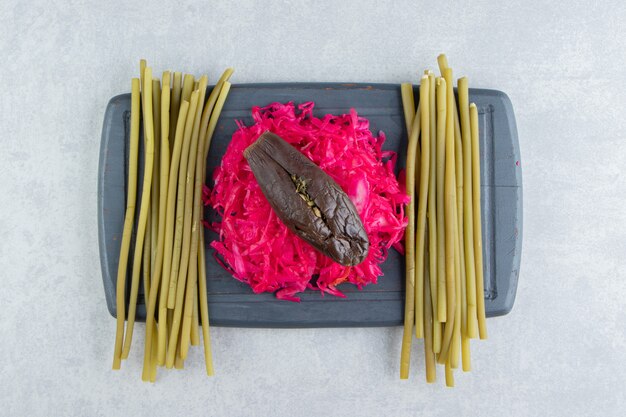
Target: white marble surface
(560,352)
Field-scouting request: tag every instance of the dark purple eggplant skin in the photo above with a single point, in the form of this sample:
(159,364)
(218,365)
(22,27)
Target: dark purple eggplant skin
(317,210)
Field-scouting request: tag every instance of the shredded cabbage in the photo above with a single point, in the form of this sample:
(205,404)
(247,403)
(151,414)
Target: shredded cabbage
(258,249)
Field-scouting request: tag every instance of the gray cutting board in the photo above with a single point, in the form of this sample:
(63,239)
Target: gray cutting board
(232,303)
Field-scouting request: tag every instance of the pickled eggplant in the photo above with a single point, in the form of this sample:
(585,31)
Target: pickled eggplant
(308,201)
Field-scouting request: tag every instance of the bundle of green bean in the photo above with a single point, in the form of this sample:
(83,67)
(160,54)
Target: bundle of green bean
(178,125)
(444,270)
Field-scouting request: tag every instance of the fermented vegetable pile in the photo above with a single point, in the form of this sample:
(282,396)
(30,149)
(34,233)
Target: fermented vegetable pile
(305,202)
(168,252)
(259,249)
(444,270)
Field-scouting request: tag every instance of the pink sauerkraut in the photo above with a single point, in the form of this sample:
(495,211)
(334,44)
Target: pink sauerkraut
(258,249)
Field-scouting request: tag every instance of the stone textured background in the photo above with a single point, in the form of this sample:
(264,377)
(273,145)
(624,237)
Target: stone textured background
(560,352)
